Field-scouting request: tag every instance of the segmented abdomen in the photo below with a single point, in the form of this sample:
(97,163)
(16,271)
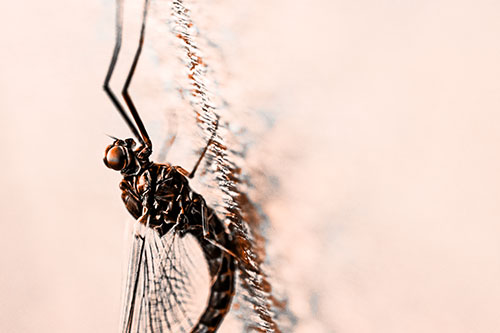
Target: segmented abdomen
(222,266)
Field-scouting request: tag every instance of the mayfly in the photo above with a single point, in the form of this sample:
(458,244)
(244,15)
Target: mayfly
(167,210)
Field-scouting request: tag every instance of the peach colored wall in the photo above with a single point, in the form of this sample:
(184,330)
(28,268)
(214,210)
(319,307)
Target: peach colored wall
(386,142)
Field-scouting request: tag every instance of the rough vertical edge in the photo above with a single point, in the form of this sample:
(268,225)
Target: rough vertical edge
(243,223)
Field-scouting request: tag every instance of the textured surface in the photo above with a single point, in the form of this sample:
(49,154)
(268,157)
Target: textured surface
(381,128)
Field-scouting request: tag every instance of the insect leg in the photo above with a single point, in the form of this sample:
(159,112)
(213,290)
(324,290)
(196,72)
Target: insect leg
(206,232)
(204,221)
(130,314)
(221,247)
(111,68)
(125,93)
(209,142)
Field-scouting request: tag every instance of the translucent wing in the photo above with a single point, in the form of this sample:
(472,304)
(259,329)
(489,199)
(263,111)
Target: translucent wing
(168,283)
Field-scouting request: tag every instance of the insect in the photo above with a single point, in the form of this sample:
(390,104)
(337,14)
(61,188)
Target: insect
(168,212)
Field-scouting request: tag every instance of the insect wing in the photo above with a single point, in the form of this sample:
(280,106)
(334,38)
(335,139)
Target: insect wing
(168,283)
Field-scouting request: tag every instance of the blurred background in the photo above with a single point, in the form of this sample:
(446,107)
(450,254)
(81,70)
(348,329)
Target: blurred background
(383,144)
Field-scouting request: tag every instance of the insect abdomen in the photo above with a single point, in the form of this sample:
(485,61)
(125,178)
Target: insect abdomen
(221,265)
(221,294)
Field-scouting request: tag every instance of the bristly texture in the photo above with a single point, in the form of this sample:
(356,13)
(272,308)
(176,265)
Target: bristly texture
(242,218)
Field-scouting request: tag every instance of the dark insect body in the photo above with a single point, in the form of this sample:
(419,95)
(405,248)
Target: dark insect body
(159,197)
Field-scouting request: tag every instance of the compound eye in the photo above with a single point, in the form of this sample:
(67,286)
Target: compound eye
(116,158)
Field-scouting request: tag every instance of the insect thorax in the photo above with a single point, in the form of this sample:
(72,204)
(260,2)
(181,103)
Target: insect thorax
(163,193)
